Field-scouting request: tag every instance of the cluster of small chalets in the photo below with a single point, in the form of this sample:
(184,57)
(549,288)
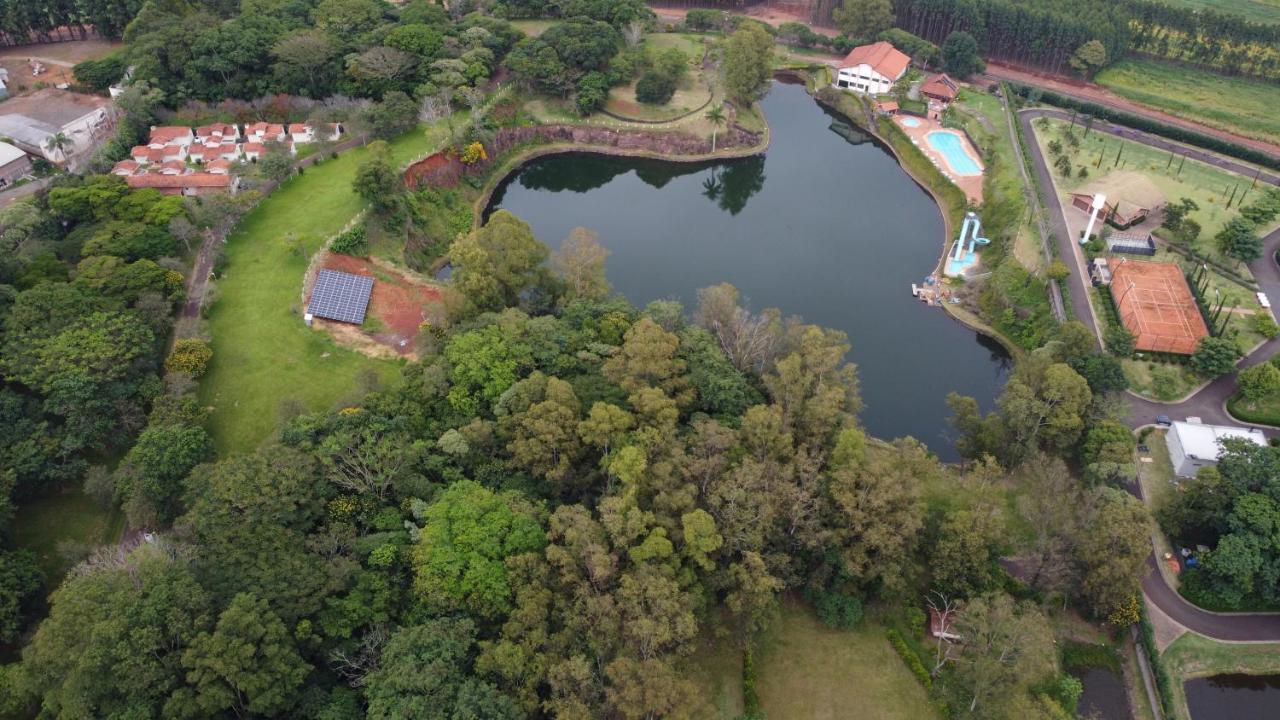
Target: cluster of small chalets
(181,160)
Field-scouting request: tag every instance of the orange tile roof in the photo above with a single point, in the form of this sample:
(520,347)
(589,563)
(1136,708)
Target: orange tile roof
(940,85)
(224,129)
(167,134)
(299,128)
(149,154)
(178,181)
(220,166)
(125,167)
(883,57)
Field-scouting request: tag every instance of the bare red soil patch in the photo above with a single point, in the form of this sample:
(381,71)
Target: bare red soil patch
(399,305)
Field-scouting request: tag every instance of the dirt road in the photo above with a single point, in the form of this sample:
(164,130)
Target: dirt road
(1090,92)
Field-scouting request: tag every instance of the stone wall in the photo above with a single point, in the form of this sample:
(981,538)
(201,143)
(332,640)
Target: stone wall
(444,169)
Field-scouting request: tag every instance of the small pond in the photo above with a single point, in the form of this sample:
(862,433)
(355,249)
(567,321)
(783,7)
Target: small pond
(823,225)
(1234,697)
(1104,695)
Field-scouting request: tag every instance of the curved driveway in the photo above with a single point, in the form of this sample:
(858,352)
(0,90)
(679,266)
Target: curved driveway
(1209,403)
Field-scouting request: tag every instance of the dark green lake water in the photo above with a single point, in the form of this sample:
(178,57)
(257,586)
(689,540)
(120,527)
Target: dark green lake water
(821,228)
(1234,697)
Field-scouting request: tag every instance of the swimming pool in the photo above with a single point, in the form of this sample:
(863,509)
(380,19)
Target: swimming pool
(953,149)
(910,122)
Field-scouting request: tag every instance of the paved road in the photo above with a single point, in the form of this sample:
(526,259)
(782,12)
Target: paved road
(9,196)
(1079,289)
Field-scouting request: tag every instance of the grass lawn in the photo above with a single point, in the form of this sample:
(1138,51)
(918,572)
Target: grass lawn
(533,28)
(692,94)
(1265,411)
(1210,187)
(263,354)
(691,44)
(1242,105)
(1159,381)
(806,670)
(62,528)
(1157,480)
(1263,11)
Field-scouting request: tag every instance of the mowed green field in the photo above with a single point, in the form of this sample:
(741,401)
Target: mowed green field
(264,356)
(1241,105)
(1262,11)
(807,670)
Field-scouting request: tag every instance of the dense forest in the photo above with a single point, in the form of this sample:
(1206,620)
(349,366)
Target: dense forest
(1047,34)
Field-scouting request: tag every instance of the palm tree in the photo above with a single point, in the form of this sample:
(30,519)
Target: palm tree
(716,116)
(58,143)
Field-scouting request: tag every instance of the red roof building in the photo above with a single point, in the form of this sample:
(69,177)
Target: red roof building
(125,167)
(872,69)
(170,135)
(219,167)
(192,184)
(940,87)
(217,131)
(143,154)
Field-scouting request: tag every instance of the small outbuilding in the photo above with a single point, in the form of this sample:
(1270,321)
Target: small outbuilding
(1099,272)
(1194,445)
(340,296)
(14,164)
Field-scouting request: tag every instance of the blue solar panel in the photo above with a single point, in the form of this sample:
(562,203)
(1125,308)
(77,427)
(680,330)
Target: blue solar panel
(340,296)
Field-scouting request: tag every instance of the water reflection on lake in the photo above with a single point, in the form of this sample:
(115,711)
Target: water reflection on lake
(1234,697)
(822,226)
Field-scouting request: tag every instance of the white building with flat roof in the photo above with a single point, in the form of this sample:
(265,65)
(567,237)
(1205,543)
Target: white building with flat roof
(1194,445)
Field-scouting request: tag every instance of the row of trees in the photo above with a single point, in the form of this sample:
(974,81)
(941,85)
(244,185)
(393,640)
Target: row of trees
(36,21)
(1205,36)
(1043,34)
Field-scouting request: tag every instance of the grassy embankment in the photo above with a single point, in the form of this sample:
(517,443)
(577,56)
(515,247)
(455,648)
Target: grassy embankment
(1265,411)
(1246,106)
(1192,656)
(805,669)
(263,354)
(982,116)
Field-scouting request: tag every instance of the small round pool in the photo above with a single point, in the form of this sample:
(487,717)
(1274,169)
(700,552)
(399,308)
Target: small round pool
(951,146)
(910,122)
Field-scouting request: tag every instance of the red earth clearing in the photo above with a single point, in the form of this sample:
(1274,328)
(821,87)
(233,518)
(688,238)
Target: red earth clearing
(399,305)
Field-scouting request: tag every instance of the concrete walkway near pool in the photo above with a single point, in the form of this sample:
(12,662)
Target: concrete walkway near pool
(918,129)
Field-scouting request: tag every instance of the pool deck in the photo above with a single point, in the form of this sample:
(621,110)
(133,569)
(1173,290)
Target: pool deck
(970,184)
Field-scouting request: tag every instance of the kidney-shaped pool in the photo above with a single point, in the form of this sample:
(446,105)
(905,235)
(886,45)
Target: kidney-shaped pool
(818,226)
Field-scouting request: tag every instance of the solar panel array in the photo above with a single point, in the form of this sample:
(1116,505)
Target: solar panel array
(340,296)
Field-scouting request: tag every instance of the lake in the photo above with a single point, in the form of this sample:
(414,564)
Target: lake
(1104,694)
(1234,697)
(821,226)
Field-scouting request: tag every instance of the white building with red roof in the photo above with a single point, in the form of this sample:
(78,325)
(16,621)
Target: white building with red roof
(301,132)
(218,167)
(166,135)
(200,183)
(125,167)
(872,69)
(145,154)
(172,167)
(261,132)
(217,133)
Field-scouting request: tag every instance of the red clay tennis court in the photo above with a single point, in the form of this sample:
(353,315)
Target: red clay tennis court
(1155,303)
